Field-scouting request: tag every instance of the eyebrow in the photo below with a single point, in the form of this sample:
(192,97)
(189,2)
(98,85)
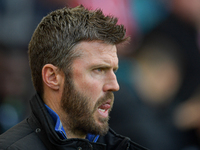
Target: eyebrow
(105,66)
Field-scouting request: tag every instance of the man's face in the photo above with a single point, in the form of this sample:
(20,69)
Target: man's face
(88,95)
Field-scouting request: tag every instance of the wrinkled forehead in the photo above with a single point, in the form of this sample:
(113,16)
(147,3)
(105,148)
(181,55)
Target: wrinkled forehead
(91,48)
(95,52)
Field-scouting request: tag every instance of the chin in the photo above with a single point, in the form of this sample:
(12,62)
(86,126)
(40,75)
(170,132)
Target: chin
(102,128)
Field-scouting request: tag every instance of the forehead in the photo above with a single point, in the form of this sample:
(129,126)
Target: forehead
(93,47)
(94,51)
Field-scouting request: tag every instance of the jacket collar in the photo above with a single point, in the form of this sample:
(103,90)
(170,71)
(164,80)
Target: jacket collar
(61,131)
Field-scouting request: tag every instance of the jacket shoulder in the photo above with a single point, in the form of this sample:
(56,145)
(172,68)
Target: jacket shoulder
(20,137)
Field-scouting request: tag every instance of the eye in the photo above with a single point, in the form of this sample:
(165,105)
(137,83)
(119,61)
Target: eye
(99,69)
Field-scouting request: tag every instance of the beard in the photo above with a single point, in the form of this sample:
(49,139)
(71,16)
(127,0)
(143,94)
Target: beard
(80,115)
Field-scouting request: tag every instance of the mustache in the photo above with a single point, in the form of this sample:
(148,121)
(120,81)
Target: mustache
(104,99)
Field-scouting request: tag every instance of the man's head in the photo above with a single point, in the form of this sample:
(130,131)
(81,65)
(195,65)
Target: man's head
(79,46)
(58,32)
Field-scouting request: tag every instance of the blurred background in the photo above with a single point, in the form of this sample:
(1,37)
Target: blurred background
(158,105)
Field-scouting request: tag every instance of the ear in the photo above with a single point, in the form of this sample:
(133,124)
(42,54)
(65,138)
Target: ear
(52,76)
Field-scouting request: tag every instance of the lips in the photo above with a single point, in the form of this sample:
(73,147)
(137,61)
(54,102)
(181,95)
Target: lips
(104,108)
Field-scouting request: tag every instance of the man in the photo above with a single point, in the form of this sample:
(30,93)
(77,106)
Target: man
(73,58)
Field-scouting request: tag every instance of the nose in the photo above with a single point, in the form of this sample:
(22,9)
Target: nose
(111,83)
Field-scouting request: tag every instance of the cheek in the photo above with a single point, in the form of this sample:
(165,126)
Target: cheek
(87,85)
(91,88)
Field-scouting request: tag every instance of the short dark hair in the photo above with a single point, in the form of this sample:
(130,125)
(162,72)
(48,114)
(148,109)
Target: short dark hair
(56,35)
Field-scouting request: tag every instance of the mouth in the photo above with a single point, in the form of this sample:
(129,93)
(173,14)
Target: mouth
(104,108)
